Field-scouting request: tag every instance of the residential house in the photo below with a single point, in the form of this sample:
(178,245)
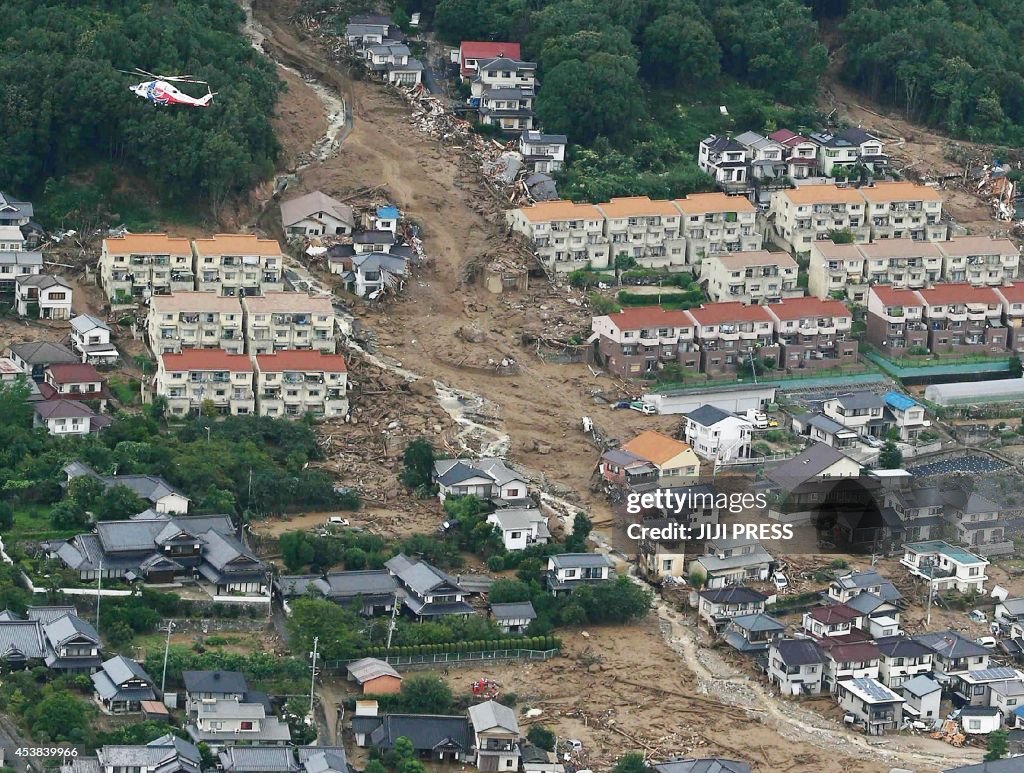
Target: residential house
(509,109)
(542,152)
(221,723)
(800,154)
(257,759)
(813,334)
(980,720)
(725,160)
(621,468)
(1007,696)
(10,373)
(211,686)
(322,759)
(873,705)
(731,336)
(52,636)
(923,697)
(520,527)
(766,157)
(945,566)
(383,218)
(194,378)
(861,412)
(34,357)
(952,654)
(904,210)
(837,271)
(375,677)
(44,295)
(374,590)
(565,236)
(515,617)
(495,736)
(848,148)
(757,276)
(645,230)
(796,666)
(713,223)
(121,685)
(135,266)
(367,30)
(163,497)
(895,321)
(429,591)
(821,429)
(438,738)
(831,621)
(753,633)
(811,477)
(316,214)
(18,264)
(487,478)
(91,337)
(964,319)
(537,760)
(921,511)
(979,260)
(195,320)
(976,519)
(14,212)
(973,687)
(718,606)
(295,383)
(674,460)
(660,557)
(239,264)
(376,272)
(639,341)
(74,382)
(567,571)
(1012,296)
(503,72)
(390,61)
(908,415)
(901,660)
(279,320)
(718,435)
(880,618)
(1009,611)
(166,754)
(230,568)
(799,216)
(732,561)
(471,53)
(63,417)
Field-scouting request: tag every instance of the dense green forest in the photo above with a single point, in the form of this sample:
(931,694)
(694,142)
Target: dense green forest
(67,109)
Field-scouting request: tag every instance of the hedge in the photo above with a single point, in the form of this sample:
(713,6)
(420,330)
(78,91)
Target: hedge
(407,650)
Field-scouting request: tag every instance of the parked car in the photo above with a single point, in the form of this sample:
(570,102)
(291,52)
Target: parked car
(988,642)
(773,423)
(872,441)
(620,404)
(337,520)
(645,408)
(780,581)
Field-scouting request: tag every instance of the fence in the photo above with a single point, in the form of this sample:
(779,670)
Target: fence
(451,658)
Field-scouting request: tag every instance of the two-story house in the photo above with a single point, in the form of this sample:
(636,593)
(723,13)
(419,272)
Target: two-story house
(813,334)
(135,266)
(193,378)
(239,264)
(728,334)
(796,666)
(904,210)
(974,687)
(43,296)
(756,276)
(487,478)
(946,566)
(895,321)
(751,634)
(799,216)
(316,214)
(924,697)
(513,617)
(660,550)
(718,435)
(641,339)
(429,591)
(964,319)
(674,460)
(800,154)
(503,72)
(902,659)
(542,152)
(765,157)
(90,337)
(510,109)
(295,383)
(472,52)
(74,382)
(121,685)
(718,606)
(166,754)
(567,571)
(732,561)
(565,236)
(495,736)
(195,320)
(223,723)
(976,520)
(367,30)
(163,497)
(848,148)
(209,686)
(391,61)
(725,160)
(645,230)
(1012,297)
(908,415)
(862,412)
(846,660)
(921,511)
(713,223)
(33,357)
(833,620)
(18,264)
(872,704)
(66,417)
(520,527)
(953,653)
(979,260)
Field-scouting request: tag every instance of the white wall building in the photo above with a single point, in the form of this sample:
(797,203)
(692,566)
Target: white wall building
(294,383)
(195,320)
(195,377)
(280,320)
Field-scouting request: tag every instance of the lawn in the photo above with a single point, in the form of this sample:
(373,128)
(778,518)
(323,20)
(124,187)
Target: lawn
(32,522)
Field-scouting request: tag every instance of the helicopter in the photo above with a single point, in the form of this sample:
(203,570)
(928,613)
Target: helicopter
(161,91)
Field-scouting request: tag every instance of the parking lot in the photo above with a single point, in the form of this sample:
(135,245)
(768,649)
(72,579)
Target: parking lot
(971,464)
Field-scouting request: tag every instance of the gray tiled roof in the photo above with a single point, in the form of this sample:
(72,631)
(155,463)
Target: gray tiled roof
(69,627)
(23,637)
(365,669)
(365,582)
(44,353)
(492,714)
(757,622)
(321,759)
(257,759)
(950,644)
(861,400)
(580,560)
(805,465)
(519,610)
(226,682)
(46,615)
(799,652)
(425,731)
(121,669)
(706,765)
(708,415)
(419,576)
(920,686)
(734,594)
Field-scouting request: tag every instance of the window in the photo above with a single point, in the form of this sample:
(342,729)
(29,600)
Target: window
(666,565)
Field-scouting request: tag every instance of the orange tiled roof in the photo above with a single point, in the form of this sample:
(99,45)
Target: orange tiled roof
(293,359)
(655,447)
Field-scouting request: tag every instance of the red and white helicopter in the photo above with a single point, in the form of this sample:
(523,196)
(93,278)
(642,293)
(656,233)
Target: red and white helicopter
(161,91)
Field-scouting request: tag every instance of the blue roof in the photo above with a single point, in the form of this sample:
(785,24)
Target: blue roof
(1018,712)
(899,401)
(387,213)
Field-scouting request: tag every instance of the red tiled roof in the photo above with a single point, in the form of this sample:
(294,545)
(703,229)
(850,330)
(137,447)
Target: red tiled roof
(1014,293)
(837,613)
(300,360)
(729,311)
(471,49)
(853,653)
(892,296)
(961,292)
(74,374)
(640,317)
(803,308)
(206,359)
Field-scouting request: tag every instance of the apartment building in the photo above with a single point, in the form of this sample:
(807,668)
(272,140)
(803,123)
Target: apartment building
(895,321)
(813,334)
(238,264)
(194,377)
(566,236)
(964,319)
(799,154)
(645,230)
(279,320)
(714,222)
(294,383)
(836,269)
(724,159)
(902,262)
(1012,297)
(758,276)
(979,260)
(904,210)
(195,320)
(141,265)
(636,341)
(799,216)
(730,333)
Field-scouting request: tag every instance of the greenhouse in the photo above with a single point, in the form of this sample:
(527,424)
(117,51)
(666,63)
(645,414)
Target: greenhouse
(1008,390)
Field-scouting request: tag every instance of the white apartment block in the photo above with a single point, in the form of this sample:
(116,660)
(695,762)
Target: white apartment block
(714,222)
(979,260)
(902,210)
(137,266)
(836,268)
(279,320)
(799,216)
(294,383)
(239,264)
(197,377)
(645,230)
(758,276)
(195,320)
(566,236)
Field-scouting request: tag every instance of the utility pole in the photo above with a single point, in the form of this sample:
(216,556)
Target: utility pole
(312,674)
(167,649)
(99,589)
(928,614)
(392,625)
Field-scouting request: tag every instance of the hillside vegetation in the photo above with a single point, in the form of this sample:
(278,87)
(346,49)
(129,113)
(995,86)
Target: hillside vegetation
(66,107)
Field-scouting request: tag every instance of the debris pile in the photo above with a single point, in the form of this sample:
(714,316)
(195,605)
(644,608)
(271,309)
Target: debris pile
(950,733)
